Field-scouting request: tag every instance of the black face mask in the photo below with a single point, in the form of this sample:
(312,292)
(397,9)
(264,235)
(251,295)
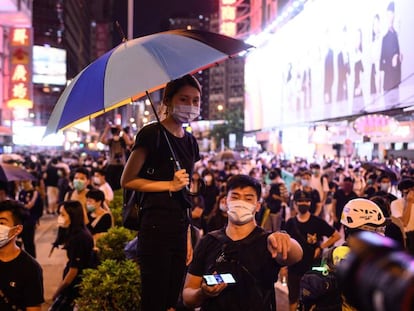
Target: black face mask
(303,208)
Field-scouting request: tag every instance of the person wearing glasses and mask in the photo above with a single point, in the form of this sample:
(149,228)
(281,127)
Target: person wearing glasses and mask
(164,244)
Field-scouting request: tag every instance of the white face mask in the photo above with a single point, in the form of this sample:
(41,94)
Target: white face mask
(4,235)
(223,207)
(240,212)
(185,113)
(96,180)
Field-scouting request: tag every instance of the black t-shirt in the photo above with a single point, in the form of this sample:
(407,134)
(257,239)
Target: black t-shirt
(251,264)
(341,199)
(21,283)
(274,204)
(159,164)
(99,225)
(309,235)
(79,250)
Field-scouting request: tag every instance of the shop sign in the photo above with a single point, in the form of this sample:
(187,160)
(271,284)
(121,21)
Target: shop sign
(375,125)
(228,23)
(20,86)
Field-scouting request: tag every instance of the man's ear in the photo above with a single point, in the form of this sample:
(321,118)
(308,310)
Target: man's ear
(18,229)
(258,206)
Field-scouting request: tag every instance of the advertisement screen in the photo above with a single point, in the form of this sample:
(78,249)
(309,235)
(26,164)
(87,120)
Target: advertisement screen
(337,58)
(49,65)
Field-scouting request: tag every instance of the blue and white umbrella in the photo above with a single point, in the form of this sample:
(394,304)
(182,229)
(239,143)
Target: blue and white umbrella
(138,66)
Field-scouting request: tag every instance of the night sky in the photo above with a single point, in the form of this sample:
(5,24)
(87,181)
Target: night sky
(152,15)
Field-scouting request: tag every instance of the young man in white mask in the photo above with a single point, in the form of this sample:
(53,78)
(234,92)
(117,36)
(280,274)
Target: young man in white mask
(21,276)
(243,249)
(99,181)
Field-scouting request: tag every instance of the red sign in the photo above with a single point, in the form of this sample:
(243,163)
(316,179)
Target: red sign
(20,85)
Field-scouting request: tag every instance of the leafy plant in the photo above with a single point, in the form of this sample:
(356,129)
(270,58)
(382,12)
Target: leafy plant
(116,207)
(114,285)
(111,245)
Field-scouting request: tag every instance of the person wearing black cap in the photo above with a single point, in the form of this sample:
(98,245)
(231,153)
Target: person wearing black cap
(309,231)
(401,208)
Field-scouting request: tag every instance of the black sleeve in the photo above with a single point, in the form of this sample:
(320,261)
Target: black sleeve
(103,224)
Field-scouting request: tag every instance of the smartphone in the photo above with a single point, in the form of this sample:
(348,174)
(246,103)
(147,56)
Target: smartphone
(214,279)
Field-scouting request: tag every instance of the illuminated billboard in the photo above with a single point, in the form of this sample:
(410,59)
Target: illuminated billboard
(49,65)
(336,58)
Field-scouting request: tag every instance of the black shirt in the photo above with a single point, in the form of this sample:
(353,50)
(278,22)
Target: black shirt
(21,283)
(248,260)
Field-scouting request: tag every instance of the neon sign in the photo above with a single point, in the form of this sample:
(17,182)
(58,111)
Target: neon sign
(20,85)
(228,13)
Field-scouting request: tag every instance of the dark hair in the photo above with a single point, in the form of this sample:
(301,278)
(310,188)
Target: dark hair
(383,203)
(82,170)
(382,177)
(274,173)
(175,85)
(19,213)
(96,194)
(243,181)
(348,179)
(75,211)
(100,171)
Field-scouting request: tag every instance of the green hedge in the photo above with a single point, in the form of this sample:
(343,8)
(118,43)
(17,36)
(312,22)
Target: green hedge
(114,285)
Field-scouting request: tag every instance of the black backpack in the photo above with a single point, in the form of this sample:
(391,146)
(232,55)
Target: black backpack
(320,291)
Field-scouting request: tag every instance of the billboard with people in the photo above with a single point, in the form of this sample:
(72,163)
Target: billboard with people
(336,58)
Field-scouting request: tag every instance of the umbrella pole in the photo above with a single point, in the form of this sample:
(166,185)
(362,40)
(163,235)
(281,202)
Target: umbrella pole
(176,162)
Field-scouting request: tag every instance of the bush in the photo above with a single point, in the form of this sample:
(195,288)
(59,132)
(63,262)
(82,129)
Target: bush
(116,207)
(114,285)
(111,245)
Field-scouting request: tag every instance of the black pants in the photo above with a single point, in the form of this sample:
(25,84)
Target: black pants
(113,176)
(28,236)
(162,250)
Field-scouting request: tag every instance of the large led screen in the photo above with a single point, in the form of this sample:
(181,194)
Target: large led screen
(49,65)
(336,58)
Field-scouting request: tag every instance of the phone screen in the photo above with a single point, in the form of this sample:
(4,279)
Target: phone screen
(214,279)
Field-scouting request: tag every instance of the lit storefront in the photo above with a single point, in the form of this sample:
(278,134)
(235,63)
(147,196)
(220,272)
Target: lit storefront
(325,68)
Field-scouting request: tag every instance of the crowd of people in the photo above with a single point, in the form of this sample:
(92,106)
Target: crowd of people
(257,217)
(305,200)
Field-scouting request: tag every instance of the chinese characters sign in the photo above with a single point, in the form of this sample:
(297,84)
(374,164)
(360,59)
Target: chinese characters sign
(20,86)
(228,10)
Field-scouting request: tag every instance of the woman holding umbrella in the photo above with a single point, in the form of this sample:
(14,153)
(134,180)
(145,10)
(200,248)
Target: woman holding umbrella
(160,166)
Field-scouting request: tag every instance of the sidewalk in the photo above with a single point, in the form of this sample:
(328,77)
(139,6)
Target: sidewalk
(52,266)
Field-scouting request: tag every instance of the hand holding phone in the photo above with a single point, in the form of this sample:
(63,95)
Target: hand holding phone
(214,279)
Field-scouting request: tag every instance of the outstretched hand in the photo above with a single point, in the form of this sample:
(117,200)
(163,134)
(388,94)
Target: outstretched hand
(278,244)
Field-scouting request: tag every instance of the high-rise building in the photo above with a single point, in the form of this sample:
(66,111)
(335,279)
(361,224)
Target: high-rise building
(203,23)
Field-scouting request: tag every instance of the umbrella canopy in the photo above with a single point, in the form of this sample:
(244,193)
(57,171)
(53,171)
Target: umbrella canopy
(138,66)
(10,172)
(382,168)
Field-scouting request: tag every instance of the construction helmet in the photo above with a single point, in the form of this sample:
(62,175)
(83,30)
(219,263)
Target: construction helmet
(360,212)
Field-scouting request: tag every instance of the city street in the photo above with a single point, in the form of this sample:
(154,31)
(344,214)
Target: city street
(53,265)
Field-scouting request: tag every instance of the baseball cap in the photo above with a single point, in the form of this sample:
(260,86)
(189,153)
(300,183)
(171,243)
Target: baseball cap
(301,195)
